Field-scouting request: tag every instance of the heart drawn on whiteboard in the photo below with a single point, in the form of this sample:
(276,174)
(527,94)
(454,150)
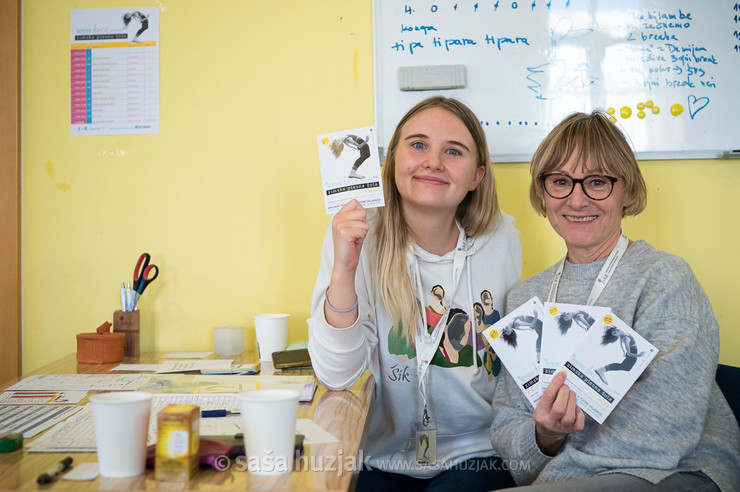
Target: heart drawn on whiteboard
(696,104)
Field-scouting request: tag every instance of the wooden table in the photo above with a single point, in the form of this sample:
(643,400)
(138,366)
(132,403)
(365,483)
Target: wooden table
(323,467)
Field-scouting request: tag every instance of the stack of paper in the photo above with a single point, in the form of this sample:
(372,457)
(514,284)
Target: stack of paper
(80,382)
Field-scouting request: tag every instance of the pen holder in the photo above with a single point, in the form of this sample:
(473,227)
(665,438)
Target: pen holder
(127,322)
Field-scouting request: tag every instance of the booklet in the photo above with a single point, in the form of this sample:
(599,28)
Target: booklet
(517,339)
(350,168)
(605,365)
(565,326)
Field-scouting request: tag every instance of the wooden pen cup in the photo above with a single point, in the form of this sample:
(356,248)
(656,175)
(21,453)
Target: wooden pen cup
(127,322)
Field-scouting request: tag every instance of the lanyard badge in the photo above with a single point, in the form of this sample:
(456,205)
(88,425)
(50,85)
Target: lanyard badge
(425,432)
(426,440)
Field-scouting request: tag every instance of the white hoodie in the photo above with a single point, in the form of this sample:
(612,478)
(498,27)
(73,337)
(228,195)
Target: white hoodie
(459,385)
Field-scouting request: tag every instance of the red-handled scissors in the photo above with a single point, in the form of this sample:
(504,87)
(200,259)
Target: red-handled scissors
(144,273)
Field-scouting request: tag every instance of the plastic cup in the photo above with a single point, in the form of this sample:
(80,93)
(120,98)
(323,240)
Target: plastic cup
(272,334)
(269,418)
(121,426)
(228,340)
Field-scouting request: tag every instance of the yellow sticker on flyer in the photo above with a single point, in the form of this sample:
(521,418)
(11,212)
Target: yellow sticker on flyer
(493,334)
(608,319)
(553,310)
(325,140)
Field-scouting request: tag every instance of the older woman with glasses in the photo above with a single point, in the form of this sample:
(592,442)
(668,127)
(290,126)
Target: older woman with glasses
(673,429)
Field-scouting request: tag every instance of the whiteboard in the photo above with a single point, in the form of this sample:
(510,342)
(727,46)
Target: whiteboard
(669,70)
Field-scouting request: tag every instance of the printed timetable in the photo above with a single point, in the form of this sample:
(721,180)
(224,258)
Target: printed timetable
(114,71)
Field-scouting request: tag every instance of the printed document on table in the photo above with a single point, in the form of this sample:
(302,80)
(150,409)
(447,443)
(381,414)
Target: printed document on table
(246,369)
(313,433)
(186,355)
(232,424)
(77,433)
(74,435)
(80,382)
(517,338)
(41,397)
(211,401)
(32,419)
(137,367)
(605,365)
(191,383)
(350,168)
(565,325)
(172,366)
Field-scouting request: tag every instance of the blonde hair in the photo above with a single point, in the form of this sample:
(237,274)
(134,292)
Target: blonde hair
(478,213)
(598,145)
(337,146)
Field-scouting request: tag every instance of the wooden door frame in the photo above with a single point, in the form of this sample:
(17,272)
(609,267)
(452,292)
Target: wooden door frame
(10,190)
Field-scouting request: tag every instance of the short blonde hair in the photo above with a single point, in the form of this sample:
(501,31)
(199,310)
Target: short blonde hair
(598,145)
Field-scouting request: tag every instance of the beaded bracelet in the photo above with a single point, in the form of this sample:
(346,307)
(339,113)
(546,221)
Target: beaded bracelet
(326,296)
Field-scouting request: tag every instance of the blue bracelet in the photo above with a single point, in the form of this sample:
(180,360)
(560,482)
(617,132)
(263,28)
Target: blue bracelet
(326,296)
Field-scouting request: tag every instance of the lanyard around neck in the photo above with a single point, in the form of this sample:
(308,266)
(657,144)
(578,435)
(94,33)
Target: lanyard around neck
(605,274)
(427,343)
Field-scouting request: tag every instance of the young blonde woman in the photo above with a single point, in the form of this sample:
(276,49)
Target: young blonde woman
(440,232)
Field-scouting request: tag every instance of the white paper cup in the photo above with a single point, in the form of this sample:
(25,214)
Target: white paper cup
(228,340)
(121,426)
(272,333)
(269,418)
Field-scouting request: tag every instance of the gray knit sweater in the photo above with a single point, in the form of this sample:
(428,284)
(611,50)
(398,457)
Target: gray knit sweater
(674,418)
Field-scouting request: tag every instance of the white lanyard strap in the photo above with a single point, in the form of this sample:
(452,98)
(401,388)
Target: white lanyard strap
(426,343)
(605,274)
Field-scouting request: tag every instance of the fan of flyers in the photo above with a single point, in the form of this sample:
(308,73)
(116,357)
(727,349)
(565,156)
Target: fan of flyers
(601,355)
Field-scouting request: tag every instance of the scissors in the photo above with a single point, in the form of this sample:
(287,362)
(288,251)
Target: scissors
(143,275)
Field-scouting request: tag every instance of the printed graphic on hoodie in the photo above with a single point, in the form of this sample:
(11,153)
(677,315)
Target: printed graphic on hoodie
(456,345)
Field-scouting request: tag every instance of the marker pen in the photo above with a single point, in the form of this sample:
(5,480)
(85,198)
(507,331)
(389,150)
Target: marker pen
(52,473)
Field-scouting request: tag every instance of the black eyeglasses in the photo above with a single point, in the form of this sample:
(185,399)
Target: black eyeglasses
(595,186)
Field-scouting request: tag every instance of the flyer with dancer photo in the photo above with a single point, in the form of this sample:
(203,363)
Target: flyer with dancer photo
(350,168)
(517,339)
(605,365)
(565,326)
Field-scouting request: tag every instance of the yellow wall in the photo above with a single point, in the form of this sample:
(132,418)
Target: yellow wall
(227,197)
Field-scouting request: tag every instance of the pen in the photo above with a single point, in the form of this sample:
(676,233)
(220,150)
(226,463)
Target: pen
(129,297)
(51,474)
(124,304)
(217,413)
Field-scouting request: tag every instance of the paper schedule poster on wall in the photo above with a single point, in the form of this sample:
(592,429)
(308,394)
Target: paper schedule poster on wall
(114,71)
(350,168)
